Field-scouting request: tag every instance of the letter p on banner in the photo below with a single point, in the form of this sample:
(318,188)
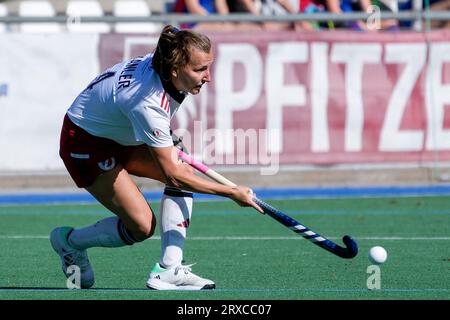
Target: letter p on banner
(74,280)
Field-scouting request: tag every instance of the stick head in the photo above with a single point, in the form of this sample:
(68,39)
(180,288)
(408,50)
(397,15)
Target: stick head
(351,247)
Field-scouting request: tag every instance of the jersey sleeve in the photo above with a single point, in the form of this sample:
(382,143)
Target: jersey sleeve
(151,125)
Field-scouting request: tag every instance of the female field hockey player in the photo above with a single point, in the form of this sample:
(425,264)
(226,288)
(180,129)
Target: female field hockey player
(118,126)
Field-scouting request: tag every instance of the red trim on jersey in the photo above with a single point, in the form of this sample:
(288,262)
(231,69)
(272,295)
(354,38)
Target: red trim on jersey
(163,98)
(165,104)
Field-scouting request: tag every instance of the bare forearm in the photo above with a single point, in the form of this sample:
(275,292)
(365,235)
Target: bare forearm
(186,180)
(181,175)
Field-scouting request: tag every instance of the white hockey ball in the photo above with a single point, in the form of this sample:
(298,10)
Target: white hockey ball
(377,255)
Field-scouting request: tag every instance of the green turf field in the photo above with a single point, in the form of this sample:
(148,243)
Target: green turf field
(248,255)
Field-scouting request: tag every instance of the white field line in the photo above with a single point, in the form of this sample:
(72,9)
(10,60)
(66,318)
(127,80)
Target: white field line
(233,238)
(242,290)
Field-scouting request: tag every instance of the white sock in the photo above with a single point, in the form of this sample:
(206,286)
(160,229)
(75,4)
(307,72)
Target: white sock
(109,232)
(175,216)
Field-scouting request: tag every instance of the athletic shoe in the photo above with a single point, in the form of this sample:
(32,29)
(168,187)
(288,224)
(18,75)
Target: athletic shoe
(71,256)
(177,278)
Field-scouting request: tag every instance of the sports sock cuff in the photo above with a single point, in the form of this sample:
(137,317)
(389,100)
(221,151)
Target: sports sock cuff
(124,234)
(174,192)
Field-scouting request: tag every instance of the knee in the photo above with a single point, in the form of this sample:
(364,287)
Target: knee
(144,230)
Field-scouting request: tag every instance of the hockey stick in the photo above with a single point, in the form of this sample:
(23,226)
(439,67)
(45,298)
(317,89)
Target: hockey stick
(351,249)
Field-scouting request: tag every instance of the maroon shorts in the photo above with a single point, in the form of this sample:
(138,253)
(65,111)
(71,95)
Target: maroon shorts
(86,156)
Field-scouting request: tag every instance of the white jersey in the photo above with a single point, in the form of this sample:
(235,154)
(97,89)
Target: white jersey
(129,104)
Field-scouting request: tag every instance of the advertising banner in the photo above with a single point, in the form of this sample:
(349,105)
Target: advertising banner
(276,98)
(316,98)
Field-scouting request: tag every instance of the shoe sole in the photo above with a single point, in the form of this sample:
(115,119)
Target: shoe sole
(155,284)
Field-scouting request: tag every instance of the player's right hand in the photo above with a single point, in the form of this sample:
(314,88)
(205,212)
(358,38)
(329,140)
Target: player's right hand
(244,197)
